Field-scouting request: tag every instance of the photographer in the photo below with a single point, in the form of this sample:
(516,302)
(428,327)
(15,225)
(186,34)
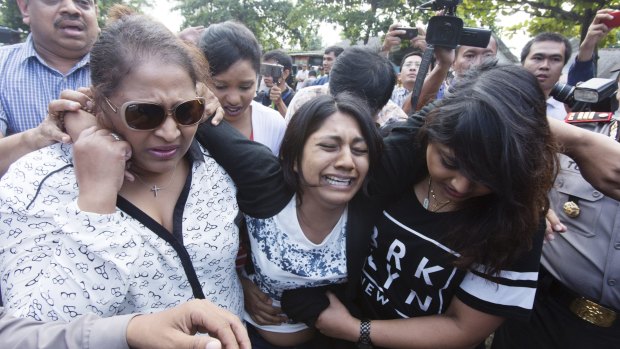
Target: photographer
(393,38)
(280,93)
(460,61)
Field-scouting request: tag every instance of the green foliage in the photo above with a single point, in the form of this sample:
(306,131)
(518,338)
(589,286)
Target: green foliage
(276,23)
(570,18)
(10,16)
(104,5)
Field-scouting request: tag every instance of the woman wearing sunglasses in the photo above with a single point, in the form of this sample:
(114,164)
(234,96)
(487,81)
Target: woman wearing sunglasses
(79,238)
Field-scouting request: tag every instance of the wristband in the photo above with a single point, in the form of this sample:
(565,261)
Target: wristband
(364,341)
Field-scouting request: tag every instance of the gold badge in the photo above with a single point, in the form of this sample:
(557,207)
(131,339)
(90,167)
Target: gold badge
(571,209)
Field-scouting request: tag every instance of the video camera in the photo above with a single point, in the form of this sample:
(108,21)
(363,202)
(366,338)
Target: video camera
(273,70)
(448,31)
(595,94)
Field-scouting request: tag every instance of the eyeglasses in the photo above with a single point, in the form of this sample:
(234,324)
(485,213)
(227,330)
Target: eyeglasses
(147,116)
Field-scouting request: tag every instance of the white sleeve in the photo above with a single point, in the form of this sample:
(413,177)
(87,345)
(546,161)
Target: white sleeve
(87,331)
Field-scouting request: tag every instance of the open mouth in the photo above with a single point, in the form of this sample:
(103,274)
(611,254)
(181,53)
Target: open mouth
(340,182)
(233,110)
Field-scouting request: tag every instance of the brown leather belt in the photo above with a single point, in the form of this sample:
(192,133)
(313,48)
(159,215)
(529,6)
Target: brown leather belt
(584,308)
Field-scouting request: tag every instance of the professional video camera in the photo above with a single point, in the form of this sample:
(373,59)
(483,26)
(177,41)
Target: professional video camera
(595,94)
(448,31)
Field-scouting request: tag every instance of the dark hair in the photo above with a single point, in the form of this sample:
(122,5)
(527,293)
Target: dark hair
(280,57)
(412,53)
(129,40)
(312,73)
(224,44)
(555,37)
(309,118)
(495,123)
(374,85)
(337,50)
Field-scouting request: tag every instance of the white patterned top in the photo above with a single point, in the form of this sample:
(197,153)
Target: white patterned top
(284,258)
(57,262)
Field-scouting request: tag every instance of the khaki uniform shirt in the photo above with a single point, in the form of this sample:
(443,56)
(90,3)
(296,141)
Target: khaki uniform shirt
(586,258)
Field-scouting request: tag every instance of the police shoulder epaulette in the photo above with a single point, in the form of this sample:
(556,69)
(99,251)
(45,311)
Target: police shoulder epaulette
(588,116)
(613,132)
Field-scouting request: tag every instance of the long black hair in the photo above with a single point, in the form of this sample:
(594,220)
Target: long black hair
(494,121)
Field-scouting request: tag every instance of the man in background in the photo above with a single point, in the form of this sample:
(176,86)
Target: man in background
(374,86)
(409,68)
(54,57)
(545,56)
(301,76)
(329,57)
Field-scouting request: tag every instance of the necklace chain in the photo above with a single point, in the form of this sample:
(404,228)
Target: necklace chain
(153,187)
(430,193)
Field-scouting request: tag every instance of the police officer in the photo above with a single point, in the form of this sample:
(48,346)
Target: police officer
(577,304)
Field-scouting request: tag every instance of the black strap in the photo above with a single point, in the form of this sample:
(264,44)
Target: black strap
(427,58)
(160,231)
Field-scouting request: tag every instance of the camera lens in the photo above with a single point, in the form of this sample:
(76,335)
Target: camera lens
(563,93)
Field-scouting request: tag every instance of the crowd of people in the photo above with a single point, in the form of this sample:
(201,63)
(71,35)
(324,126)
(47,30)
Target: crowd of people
(150,189)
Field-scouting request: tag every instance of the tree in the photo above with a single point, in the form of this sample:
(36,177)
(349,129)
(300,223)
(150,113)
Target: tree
(104,6)
(570,18)
(361,19)
(10,16)
(275,23)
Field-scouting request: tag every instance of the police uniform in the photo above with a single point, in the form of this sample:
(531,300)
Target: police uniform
(578,299)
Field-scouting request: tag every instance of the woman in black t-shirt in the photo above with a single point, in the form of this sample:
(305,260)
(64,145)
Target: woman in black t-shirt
(459,252)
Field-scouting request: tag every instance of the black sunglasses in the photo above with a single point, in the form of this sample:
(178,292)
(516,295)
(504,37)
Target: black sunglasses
(147,116)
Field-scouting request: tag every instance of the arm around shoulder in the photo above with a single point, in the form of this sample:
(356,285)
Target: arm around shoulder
(257,173)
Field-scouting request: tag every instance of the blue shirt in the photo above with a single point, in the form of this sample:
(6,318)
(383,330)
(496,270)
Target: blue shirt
(580,71)
(28,84)
(321,81)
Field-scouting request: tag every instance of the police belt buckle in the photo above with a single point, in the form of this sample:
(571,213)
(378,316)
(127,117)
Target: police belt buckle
(593,313)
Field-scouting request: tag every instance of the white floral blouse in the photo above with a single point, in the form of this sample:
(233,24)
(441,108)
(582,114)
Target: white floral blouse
(57,262)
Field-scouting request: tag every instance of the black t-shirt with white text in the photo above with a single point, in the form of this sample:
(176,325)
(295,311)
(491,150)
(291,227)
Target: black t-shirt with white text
(410,270)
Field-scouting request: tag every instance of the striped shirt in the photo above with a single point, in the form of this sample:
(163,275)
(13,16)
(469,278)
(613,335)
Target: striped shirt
(28,84)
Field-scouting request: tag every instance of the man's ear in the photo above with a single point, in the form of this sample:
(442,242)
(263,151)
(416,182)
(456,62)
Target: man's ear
(23,8)
(286,73)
